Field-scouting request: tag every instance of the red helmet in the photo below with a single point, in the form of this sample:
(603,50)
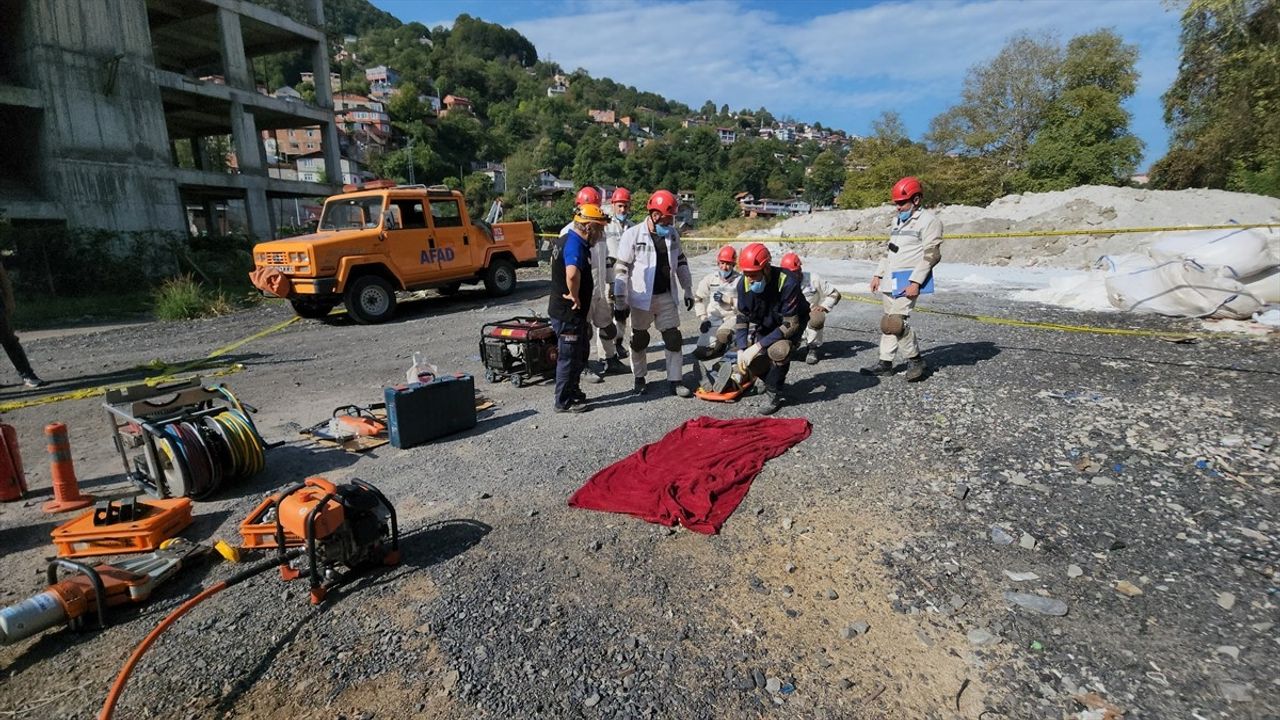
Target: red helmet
(727,254)
(791,261)
(621,194)
(907,188)
(587,196)
(664,202)
(755,257)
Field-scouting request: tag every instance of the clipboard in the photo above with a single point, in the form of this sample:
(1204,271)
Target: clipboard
(902,278)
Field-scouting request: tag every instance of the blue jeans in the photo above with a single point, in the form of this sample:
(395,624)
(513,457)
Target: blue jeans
(572,348)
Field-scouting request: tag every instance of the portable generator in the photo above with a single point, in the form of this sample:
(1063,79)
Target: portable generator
(519,349)
(351,525)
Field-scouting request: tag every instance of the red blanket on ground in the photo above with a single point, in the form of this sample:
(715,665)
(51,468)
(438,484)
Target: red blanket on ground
(695,476)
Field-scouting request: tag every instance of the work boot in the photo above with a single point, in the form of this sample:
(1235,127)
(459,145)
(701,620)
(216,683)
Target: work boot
(595,374)
(622,350)
(772,401)
(639,388)
(32,381)
(574,407)
(811,357)
(578,396)
(678,389)
(881,367)
(614,366)
(916,369)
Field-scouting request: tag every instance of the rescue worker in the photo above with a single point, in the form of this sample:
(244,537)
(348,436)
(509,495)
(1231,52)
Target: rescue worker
(651,264)
(771,314)
(915,247)
(591,196)
(572,290)
(821,296)
(12,346)
(612,322)
(713,303)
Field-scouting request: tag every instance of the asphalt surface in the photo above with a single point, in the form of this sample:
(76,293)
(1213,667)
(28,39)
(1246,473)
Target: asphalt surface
(870,572)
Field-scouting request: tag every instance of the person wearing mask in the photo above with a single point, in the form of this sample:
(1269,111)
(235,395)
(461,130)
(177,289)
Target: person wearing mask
(9,339)
(915,247)
(609,320)
(713,303)
(651,264)
(771,315)
(821,296)
(572,291)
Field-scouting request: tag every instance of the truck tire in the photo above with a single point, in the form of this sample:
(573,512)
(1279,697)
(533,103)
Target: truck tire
(500,277)
(370,299)
(313,309)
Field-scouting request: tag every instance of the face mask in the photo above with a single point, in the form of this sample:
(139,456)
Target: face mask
(756,287)
(725,274)
(662,230)
(905,215)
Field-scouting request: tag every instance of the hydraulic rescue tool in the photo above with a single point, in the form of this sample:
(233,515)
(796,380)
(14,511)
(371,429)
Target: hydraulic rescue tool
(341,525)
(77,599)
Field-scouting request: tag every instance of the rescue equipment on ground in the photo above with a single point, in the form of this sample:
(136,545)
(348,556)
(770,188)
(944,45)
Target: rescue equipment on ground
(13,481)
(420,412)
(193,440)
(724,381)
(80,599)
(95,533)
(518,349)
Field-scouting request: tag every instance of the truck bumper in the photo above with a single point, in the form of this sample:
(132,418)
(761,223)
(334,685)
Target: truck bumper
(314,286)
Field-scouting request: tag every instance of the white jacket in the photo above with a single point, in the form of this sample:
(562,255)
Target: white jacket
(818,291)
(914,245)
(613,233)
(711,285)
(638,262)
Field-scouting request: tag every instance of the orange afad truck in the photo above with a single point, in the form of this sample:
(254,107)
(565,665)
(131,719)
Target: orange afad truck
(383,238)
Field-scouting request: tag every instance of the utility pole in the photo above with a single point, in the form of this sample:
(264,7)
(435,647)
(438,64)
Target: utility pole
(411,163)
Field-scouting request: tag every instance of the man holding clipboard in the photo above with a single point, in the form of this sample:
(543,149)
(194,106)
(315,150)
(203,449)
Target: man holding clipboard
(915,247)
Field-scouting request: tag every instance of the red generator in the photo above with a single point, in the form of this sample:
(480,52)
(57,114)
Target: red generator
(520,350)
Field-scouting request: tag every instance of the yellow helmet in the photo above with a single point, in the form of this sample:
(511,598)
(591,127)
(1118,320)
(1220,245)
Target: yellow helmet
(590,214)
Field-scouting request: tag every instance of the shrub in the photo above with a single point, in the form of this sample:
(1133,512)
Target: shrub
(183,298)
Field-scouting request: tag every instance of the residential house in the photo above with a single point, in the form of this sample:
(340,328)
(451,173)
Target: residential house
(292,142)
(728,136)
(432,100)
(626,147)
(557,90)
(335,80)
(785,133)
(382,80)
(311,169)
(456,104)
(497,172)
(692,122)
(352,111)
(344,54)
(768,207)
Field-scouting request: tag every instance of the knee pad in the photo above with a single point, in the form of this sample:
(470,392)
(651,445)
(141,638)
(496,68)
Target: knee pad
(759,365)
(672,339)
(609,332)
(780,351)
(895,325)
(817,321)
(639,339)
(621,315)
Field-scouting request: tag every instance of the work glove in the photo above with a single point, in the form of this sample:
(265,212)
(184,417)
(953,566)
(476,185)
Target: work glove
(718,296)
(688,303)
(705,326)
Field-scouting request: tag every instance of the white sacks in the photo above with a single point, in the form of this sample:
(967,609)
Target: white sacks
(1219,274)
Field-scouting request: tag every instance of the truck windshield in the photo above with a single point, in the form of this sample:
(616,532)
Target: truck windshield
(358,213)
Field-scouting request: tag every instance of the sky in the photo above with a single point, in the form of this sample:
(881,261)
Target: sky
(837,62)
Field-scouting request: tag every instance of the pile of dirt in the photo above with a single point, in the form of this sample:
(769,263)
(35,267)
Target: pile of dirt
(1085,207)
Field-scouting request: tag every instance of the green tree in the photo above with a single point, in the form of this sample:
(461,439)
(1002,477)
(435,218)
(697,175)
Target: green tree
(1085,137)
(826,176)
(1224,106)
(1002,102)
(875,163)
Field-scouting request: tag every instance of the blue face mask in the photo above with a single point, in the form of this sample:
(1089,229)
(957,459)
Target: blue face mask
(905,215)
(757,287)
(662,230)
(725,274)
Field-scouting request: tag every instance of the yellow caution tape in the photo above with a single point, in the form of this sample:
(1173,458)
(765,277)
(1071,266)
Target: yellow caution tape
(1058,327)
(978,236)
(167,373)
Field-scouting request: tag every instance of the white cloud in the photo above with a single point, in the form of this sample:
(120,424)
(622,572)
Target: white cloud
(844,66)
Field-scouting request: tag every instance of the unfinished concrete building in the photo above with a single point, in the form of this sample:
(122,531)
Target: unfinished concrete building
(100,99)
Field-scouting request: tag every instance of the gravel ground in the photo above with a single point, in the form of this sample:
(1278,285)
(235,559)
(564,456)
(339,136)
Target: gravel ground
(880,569)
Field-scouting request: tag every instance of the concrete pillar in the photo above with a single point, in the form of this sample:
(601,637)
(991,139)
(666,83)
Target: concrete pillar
(235,66)
(324,96)
(250,156)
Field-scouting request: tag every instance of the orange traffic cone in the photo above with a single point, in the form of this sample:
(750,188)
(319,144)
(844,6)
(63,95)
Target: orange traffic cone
(13,482)
(66,489)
